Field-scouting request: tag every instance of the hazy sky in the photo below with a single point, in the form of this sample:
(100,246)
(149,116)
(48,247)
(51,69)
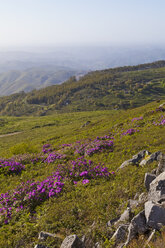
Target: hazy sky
(85,22)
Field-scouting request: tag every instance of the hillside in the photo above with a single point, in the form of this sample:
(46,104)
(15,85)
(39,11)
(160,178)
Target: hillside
(85,149)
(118,88)
(34,78)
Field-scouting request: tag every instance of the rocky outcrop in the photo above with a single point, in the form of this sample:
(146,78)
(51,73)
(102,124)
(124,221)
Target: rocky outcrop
(153,216)
(142,158)
(157,189)
(153,157)
(135,160)
(161,165)
(72,241)
(119,237)
(127,225)
(44,235)
(148,179)
(137,226)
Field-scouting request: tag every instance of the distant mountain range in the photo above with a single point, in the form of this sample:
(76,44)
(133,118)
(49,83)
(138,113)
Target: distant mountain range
(25,71)
(35,78)
(118,88)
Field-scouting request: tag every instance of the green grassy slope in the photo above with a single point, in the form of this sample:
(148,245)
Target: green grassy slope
(78,206)
(119,88)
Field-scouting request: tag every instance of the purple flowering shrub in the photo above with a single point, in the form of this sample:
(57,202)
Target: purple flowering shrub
(161,121)
(137,118)
(52,157)
(97,145)
(9,167)
(130,132)
(30,194)
(84,169)
(47,148)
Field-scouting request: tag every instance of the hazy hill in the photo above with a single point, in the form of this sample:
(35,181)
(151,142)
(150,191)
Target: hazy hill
(118,88)
(34,78)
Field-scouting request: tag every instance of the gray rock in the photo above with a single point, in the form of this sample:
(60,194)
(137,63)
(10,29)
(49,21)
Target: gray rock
(133,203)
(125,217)
(135,159)
(150,159)
(44,235)
(161,165)
(72,241)
(110,223)
(85,124)
(143,198)
(148,179)
(120,235)
(126,163)
(137,226)
(154,156)
(157,189)
(155,215)
(154,171)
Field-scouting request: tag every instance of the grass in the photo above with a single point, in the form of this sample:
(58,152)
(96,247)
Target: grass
(81,209)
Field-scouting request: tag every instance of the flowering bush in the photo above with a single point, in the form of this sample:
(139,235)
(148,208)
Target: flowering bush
(161,121)
(9,167)
(130,131)
(46,148)
(97,145)
(30,194)
(52,157)
(137,118)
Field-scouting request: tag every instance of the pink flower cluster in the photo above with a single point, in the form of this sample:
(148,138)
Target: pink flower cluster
(30,194)
(130,132)
(161,121)
(10,167)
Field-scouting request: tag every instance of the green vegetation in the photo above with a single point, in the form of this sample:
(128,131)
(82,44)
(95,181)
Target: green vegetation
(119,88)
(81,208)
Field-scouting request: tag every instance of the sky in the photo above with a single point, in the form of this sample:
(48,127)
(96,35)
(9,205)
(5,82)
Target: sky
(81,22)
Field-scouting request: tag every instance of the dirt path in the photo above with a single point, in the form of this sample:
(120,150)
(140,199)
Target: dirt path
(9,134)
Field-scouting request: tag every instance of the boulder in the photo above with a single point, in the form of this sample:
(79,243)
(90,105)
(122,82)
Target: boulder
(135,159)
(44,235)
(148,179)
(125,217)
(150,159)
(161,165)
(120,235)
(137,226)
(157,189)
(72,241)
(155,215)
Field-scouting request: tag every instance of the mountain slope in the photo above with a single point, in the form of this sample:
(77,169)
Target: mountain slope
(119,88)
(34,78)
(81,207)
